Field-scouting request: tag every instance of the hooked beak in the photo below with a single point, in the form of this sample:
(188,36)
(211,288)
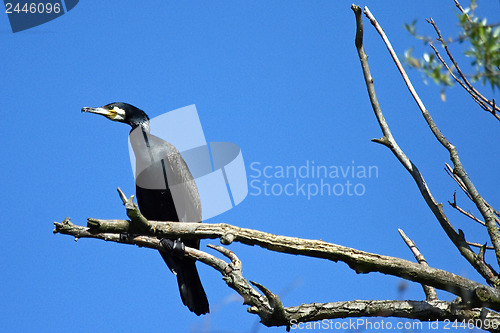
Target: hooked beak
(113,113)
(102,111)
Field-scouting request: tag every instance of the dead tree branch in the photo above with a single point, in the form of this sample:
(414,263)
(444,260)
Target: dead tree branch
(458,238)
(430,293)
(422,310)
(268,305)
(360,261)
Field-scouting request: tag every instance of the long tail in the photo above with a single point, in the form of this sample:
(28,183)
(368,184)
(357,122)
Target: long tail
(192,293)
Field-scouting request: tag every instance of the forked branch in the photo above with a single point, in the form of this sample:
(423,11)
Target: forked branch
(360,261)
(388,140)
(268,305)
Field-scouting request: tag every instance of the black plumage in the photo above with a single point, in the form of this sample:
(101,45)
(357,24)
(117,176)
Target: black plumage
(165,191)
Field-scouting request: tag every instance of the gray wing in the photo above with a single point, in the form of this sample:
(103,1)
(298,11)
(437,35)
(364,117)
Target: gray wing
(183,187)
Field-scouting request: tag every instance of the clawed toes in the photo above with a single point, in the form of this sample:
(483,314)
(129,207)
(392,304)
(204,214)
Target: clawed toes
(176,247)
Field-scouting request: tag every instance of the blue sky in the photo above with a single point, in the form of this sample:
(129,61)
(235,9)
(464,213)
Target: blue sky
(283,81)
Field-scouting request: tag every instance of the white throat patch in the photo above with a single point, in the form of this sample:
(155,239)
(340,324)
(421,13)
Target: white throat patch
(117,114)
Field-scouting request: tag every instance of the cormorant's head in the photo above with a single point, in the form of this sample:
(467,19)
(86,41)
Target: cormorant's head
(122,112)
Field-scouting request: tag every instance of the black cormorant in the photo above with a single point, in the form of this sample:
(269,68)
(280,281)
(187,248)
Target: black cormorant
(165,191)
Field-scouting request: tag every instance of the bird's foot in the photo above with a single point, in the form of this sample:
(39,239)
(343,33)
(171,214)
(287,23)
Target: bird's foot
(175,247)
(124,237)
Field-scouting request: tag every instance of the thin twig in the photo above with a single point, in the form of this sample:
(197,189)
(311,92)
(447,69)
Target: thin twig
(468,214)
(483,105)
(133,212)
(430,293)
(463,11)
(472,91)
(460,183)
(480,245)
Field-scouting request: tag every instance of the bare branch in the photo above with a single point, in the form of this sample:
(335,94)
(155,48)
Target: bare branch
(458,240)
(468,214)
(481,246)
(459,170)
(430,293)
(360,261)
(476,98)
(133,212)
(231,272)
(272,312)
(460,183)
(425,311)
